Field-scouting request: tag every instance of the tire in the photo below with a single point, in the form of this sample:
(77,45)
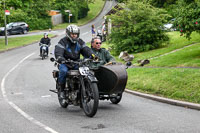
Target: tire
(25,31)
(90,101)
(43,54)
(8,33)
(63,103)
(117,99)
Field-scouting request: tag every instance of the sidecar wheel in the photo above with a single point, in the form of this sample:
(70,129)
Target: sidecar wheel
(117,99)
(63,102)
(90,100)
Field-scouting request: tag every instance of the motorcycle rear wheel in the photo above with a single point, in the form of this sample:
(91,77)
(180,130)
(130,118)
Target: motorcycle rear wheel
(117,99)
(90,101)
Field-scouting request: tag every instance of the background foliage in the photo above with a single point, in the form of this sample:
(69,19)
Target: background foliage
(35,12)
(188,17)
(139,27)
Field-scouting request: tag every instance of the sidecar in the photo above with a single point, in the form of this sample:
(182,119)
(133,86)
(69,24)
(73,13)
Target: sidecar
(112,80)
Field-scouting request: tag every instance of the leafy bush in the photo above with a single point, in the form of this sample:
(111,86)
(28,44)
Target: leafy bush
(32,20)
(78,8)
(39,23)
(138,28)
(82,9)
(17,15)
(187,17)
(35,14)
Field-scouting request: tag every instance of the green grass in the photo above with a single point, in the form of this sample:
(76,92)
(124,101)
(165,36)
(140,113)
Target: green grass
(19,41)
(175,83)
(95,9)
(176,41)
(187,57)
(162,79)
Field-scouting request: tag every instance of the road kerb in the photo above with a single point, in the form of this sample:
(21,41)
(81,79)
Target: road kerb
(165,100)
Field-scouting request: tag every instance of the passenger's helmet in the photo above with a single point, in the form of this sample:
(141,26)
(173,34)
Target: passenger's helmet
(73,29)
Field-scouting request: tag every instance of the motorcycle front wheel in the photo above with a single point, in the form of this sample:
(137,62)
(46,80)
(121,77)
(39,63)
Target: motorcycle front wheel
(90,99)
(63,102)
(43,56)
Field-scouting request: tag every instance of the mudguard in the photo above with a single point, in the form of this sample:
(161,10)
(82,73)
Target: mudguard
(92,78)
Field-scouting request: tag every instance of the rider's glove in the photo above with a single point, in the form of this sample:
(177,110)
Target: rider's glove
(94,57)
(61,60)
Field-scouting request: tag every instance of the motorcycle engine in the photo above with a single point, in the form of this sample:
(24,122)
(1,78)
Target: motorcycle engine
(73,95)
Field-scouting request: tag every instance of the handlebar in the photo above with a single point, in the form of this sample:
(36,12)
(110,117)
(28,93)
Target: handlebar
(42,44)
(79,62)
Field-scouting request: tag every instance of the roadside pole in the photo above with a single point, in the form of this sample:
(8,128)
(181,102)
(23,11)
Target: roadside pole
(69,14)
(69,18)
(6,38)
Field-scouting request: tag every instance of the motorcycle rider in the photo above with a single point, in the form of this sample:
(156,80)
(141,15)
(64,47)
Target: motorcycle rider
(45,40)
(103,55)
(70,47)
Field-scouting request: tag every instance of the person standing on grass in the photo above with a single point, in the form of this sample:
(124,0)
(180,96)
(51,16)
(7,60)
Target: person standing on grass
(93,31)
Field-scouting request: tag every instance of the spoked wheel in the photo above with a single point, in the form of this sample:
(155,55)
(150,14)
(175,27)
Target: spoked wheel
(90,100)
(63,102)
(117,99)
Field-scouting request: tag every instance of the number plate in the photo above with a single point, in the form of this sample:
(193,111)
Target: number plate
(84,70)
(44,48)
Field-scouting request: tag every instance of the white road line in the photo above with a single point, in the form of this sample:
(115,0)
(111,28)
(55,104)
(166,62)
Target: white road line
(85,33)
(19,93)
(24,114)
(46,96)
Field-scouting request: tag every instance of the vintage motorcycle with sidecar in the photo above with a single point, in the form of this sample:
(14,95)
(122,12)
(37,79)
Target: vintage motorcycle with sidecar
(86,86)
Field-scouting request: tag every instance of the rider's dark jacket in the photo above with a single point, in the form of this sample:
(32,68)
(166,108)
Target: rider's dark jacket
(68,50)
(45,41)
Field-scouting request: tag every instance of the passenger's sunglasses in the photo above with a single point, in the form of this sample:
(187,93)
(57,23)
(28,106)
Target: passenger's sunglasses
(98,42)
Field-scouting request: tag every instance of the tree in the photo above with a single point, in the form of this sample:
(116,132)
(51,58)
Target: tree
(161,3)
(187,17)
(138,28)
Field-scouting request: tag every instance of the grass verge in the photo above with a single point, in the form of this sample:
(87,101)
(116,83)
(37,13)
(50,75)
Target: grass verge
(187,57)
(177,83)
(176,42)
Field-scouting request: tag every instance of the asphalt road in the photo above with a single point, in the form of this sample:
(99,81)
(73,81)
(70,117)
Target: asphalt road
(27,105)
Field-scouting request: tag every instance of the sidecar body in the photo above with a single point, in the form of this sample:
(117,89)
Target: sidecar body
(112,79)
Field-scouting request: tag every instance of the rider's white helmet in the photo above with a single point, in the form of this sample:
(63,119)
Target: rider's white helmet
(73,29)
(45,34)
